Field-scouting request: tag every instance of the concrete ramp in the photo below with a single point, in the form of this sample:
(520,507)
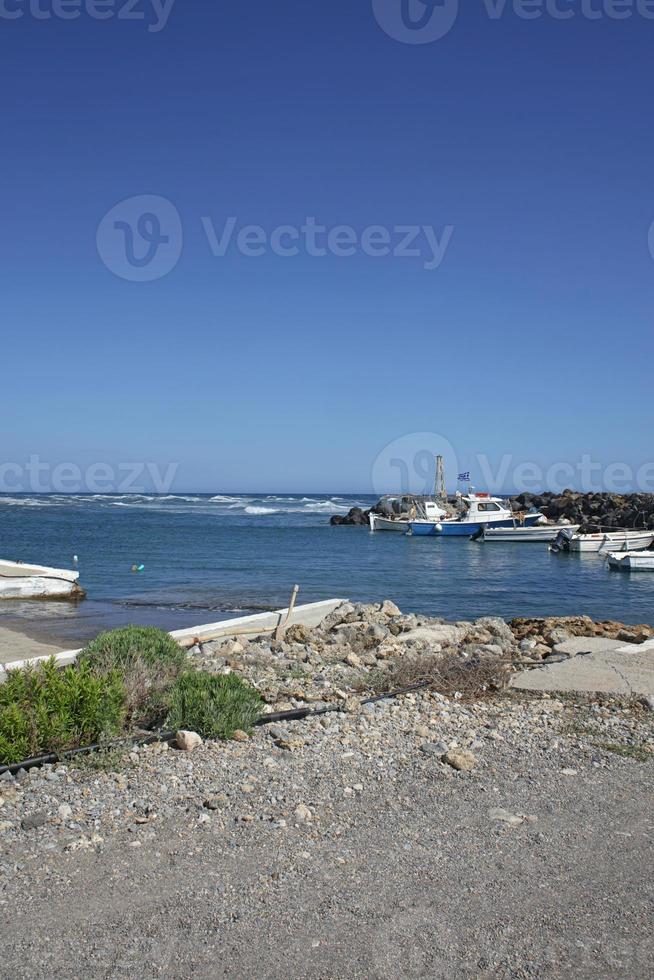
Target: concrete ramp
(624,670)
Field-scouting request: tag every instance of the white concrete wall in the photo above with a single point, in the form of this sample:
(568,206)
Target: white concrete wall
(310,614)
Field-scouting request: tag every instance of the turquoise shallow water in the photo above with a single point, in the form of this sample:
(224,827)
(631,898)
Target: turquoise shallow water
(208,557)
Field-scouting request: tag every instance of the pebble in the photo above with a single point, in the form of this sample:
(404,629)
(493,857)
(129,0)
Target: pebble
(504,816)
(187,741)
(461,760)
(435,749)
(302,813)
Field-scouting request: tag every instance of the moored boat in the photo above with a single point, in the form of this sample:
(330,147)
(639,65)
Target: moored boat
(400,511)
(623,539)
(631,561)
(22,581)
(478,510)
(534,533)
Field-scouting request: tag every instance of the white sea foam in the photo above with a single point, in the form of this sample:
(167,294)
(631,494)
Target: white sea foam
(24,502)
(262,510)
(324,507)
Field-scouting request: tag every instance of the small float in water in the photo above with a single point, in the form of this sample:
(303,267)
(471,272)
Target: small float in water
(535,534)
(631,561)
(623,539)
(19,580)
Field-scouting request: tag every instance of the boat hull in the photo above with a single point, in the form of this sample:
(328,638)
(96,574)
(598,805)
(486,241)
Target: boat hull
(535,534)
(629,541)
(379,523)
(628,561)
(465,528)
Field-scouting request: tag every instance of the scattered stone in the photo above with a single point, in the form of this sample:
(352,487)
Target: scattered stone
(435,750)
(240,736)
(460,759)
(215,802)
(303,814)
(512,819)
(32,821)
(187,741)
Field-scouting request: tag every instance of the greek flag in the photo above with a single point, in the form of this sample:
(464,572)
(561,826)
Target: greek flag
(463,477)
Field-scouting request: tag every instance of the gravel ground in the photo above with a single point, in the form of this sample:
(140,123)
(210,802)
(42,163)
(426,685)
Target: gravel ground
(345,847)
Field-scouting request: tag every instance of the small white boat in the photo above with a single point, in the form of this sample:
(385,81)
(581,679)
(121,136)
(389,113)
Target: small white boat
(408,509)
(545,532)
(621,540)
(21,581)
(631,561)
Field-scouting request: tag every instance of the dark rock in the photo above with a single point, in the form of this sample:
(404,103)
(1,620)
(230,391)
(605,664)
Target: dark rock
(356,517)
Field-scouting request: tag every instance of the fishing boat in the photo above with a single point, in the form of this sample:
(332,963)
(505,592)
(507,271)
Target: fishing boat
(631,561)
(396,513)
(623,539)
(477,510)
(535,533)
(21,581)
(400,511)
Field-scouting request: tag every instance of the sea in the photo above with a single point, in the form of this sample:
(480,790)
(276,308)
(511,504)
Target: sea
(211,556)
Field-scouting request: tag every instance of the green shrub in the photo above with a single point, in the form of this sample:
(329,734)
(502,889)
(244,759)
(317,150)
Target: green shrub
(148,660)
(122,647)
(213,705)
(48,709)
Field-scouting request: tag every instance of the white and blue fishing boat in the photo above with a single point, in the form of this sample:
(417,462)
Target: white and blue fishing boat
(478,510)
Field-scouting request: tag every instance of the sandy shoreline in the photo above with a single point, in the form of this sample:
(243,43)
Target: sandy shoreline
(17,645)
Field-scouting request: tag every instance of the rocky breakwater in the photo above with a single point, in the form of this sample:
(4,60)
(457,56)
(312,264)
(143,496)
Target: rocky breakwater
(592,510)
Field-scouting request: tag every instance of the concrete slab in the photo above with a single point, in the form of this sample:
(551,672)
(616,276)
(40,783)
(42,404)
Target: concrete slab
(15,645)
(589,644)
(624,671)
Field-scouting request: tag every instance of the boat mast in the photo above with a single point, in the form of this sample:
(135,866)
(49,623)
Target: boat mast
(439,483)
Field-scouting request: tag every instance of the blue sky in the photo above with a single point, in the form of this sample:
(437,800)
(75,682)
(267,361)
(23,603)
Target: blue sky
(530,140)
